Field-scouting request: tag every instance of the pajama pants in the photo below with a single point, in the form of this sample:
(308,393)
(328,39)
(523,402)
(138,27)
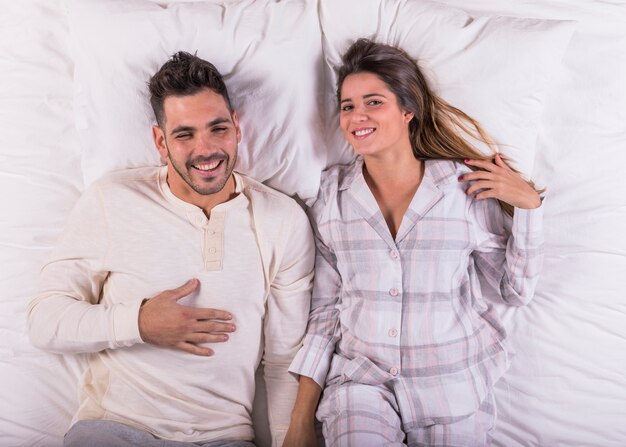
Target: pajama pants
(101,433)
(354,414)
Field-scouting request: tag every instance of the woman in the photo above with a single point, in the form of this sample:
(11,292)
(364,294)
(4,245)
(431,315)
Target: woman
(400,337)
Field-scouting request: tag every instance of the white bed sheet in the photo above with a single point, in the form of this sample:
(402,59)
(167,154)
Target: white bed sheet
(40,179)
(567,385)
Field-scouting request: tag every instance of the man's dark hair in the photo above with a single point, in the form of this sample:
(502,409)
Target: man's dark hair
(184,74)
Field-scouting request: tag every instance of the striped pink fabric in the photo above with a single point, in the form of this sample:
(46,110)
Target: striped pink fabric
(411,312)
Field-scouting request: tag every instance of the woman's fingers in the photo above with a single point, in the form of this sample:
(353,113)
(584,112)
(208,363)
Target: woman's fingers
(477,175)
(477,186)
(498,161)
(489,165)
(482,164)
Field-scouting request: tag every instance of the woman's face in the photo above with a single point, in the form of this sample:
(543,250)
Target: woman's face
(370,116)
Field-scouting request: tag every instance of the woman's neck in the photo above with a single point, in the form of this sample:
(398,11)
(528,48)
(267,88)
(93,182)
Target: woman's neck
(391,171)
(393,182)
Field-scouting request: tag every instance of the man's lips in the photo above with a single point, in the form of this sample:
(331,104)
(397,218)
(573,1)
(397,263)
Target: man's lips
(207,167)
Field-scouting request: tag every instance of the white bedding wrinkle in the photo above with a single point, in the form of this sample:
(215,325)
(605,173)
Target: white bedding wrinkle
(269,53)
(496,69)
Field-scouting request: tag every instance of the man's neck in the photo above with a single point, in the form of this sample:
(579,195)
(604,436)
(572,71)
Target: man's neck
(209,201)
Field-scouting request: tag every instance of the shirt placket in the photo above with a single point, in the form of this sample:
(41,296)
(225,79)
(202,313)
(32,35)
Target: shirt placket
(214,242)
(394,327)
(212,239)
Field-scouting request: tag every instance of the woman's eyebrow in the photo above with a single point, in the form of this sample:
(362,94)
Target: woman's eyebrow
(369,95)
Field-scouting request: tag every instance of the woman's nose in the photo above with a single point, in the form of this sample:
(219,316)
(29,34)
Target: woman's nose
(359,114)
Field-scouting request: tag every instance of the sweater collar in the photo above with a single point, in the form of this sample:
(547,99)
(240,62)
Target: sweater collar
(194,213)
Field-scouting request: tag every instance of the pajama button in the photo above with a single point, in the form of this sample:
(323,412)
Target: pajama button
(393,292)
(393,371)
(393,332)
(393,254)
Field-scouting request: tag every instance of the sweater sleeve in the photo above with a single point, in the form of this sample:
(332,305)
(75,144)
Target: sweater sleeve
(314,358)
(66,316)
(509,252)
(288,307)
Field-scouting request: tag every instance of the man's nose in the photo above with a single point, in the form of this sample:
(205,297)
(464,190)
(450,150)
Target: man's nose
(205,144)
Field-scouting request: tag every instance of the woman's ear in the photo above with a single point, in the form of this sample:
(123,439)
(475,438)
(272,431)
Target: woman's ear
(408,116)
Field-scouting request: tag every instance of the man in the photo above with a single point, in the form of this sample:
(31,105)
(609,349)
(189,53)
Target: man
(179,280)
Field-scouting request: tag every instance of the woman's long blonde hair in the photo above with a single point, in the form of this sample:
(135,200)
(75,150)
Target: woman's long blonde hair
(438,130)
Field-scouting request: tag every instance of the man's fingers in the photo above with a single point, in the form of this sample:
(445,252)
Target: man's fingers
(213,326)
(202,337)
(203,313)
(194,349)
(184,290)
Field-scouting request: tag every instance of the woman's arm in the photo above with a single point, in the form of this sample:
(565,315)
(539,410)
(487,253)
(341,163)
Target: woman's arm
(509,260)
(497,180)
(312,361)
(301,431)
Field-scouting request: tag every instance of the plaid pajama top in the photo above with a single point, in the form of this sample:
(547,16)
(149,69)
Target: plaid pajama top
(409,313)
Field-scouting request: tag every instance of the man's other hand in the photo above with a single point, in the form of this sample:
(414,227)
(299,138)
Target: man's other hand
(163,322)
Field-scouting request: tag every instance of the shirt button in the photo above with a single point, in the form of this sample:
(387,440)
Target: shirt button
(393,254)
(393,371)
(212,250)
(393,332)
(393,291)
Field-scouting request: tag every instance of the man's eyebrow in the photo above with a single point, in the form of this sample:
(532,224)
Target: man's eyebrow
(182,129)
(217,121)
(369,95)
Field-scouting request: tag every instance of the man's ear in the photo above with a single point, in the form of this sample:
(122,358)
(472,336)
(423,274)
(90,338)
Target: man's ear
(236,123)
(159,141)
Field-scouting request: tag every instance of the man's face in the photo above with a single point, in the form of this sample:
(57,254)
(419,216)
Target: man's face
(199,140)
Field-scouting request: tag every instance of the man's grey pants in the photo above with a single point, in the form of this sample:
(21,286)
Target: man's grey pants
(97,433)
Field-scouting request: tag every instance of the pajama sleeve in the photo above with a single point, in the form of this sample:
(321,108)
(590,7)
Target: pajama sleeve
(323,332)
(509,252)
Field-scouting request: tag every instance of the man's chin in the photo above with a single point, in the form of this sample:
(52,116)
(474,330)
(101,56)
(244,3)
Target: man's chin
(207,187)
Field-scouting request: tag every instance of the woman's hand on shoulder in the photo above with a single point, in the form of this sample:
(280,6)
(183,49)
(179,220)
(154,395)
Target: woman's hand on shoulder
(497,180)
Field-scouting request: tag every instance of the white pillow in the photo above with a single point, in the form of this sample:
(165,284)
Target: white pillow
(496,69)
(269,53)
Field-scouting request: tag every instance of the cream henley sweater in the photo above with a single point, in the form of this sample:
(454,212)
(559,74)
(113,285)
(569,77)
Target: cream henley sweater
(130,238)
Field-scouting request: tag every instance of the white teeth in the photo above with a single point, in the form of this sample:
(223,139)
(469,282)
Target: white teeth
(208,166)
(362,132)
